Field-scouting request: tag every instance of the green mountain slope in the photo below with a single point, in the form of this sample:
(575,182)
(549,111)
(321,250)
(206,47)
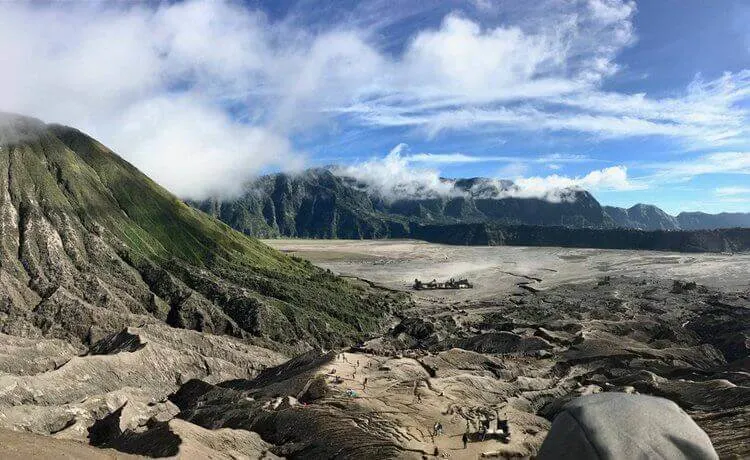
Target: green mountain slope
(320,204)
(89,244)
(315,204)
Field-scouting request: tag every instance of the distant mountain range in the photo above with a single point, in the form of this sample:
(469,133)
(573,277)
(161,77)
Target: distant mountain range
(320,204)
(649,217)
(728,240)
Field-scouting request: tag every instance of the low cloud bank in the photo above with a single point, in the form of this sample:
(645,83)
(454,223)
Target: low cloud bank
(393,177)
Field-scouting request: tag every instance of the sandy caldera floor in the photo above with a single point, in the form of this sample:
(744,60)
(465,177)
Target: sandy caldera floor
(496,270)
(473,354)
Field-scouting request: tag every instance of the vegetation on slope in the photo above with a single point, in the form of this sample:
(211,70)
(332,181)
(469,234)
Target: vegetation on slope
(320,204)
(90,228)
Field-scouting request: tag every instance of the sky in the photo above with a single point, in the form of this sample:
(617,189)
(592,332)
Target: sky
(635,101)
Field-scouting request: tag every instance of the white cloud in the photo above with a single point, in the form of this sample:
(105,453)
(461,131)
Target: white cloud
(462,158)
(220,89)
(564,158)
(463,63)
(514,169)
(461,77)
(393,177)
(156,83)
(703,102)
(732,191)
(149,82)
(197,150)
(553,187)
(484,5)
(711,113)
(460,60)
(713,163)
(448,158)
(613,12)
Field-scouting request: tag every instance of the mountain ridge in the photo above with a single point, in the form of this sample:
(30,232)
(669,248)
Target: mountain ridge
(731,240)
(319,203)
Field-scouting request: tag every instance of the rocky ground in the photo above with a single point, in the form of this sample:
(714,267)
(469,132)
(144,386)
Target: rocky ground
(517,359)
(515,348)
(48,387)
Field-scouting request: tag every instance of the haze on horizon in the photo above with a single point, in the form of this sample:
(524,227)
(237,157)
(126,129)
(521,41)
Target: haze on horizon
(634,101)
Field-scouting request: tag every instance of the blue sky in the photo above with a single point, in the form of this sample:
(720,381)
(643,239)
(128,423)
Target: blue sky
(636,101)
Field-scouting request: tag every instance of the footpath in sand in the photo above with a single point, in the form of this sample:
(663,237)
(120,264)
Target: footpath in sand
(364,405)
(417,397)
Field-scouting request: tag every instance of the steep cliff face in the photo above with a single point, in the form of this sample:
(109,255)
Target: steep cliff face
(642,216)
(315,204)
(88,245)
(320,204)
(701,220)
(718,240)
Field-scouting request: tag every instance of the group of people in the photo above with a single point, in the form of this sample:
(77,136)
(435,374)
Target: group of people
(503,431)
(342,356)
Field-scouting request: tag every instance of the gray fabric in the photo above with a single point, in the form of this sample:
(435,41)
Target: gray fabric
(624,426)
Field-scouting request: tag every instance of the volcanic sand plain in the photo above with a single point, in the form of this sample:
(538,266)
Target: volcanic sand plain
(498,270)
